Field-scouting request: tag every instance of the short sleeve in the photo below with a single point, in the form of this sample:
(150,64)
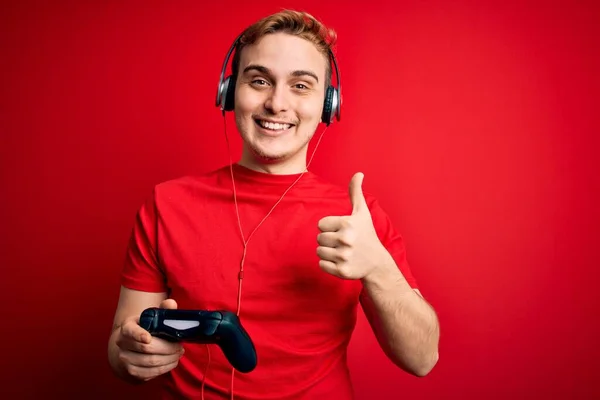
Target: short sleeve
(141,270)
(392,240)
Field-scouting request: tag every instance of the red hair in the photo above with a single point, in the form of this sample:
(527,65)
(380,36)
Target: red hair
(297,23)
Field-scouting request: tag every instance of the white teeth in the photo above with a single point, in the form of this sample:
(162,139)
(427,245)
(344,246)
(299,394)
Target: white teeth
(274,126)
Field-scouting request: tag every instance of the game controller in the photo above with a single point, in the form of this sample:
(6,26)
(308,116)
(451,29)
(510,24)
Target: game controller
(222,328)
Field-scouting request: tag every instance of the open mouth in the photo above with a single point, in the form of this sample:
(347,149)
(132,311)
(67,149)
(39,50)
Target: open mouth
(273,126)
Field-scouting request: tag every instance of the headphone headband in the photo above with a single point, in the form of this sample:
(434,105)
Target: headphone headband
(223,69)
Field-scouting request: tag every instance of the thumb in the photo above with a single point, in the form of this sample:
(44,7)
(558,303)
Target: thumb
(356,194)
(169,304)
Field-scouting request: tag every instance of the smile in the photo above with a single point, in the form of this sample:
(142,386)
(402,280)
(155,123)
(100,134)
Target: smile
(273,126)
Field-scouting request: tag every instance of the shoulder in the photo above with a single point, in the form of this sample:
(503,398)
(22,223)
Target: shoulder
(380,217)
(181,191)
(187,184)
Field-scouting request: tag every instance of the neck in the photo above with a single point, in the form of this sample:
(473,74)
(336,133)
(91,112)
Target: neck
(274,169)
(291,166)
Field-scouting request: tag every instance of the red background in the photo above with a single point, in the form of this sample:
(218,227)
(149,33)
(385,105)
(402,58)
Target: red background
(475,123)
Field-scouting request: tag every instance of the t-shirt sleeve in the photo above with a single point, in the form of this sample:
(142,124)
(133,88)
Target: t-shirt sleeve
(392,240)
(141,269)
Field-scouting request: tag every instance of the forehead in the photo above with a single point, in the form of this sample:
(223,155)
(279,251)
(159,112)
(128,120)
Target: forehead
(283,53)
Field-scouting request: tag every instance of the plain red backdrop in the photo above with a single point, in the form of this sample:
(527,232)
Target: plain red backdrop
(475,123)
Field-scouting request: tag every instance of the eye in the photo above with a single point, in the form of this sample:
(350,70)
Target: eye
(260,82)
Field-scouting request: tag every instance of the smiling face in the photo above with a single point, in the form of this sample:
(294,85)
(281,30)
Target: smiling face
(278,101)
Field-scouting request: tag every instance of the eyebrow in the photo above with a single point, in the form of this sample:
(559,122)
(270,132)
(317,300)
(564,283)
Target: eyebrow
(265,70)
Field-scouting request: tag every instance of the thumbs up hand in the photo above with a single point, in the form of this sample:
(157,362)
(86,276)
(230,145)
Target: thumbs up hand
(348,245)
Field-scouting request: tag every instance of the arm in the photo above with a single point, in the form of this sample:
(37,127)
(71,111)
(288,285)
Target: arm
(405,325)
(364,245)
(133,354)
(130,306)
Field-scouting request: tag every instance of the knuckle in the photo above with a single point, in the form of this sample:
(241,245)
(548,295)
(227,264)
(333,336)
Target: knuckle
(145,348)
(147,377)
(126,325)
(345,240)
(163,369)
(344,271)
(328,267)
(153,361)
(132,370)
(125,333)
(345,254)
(123,358)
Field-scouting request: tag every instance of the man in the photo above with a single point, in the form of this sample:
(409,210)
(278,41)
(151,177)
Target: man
(307,252)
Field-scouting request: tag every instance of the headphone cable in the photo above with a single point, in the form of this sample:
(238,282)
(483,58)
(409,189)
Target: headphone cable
(246,241)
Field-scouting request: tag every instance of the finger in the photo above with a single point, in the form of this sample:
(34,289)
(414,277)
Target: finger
(328,239)
(331,224)
(149,373)
(356,194)
(331,254)
(169,303)
(149,360)
(132,330)
(157,346)
(329,267)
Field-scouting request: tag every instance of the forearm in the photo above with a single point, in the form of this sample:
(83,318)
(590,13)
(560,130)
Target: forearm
(405,325)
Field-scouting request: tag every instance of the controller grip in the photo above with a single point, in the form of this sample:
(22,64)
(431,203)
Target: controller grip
(236,343)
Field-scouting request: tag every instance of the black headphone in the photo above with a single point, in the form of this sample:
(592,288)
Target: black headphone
(333,96)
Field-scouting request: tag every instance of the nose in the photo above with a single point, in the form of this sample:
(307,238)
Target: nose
(278,100)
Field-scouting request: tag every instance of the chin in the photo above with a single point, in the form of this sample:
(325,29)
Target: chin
(268,158)
(266,148)
(270,150)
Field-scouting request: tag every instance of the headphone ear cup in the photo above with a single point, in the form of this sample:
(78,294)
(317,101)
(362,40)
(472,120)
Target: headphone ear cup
(327,115)
(228,94)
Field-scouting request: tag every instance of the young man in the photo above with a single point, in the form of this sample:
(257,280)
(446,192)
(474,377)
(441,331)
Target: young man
(307,252)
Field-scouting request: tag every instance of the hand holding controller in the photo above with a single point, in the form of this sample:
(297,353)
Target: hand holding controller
(201,326)
(135,355)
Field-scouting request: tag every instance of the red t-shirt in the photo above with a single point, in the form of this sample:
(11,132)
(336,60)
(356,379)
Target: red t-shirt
(186,241)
